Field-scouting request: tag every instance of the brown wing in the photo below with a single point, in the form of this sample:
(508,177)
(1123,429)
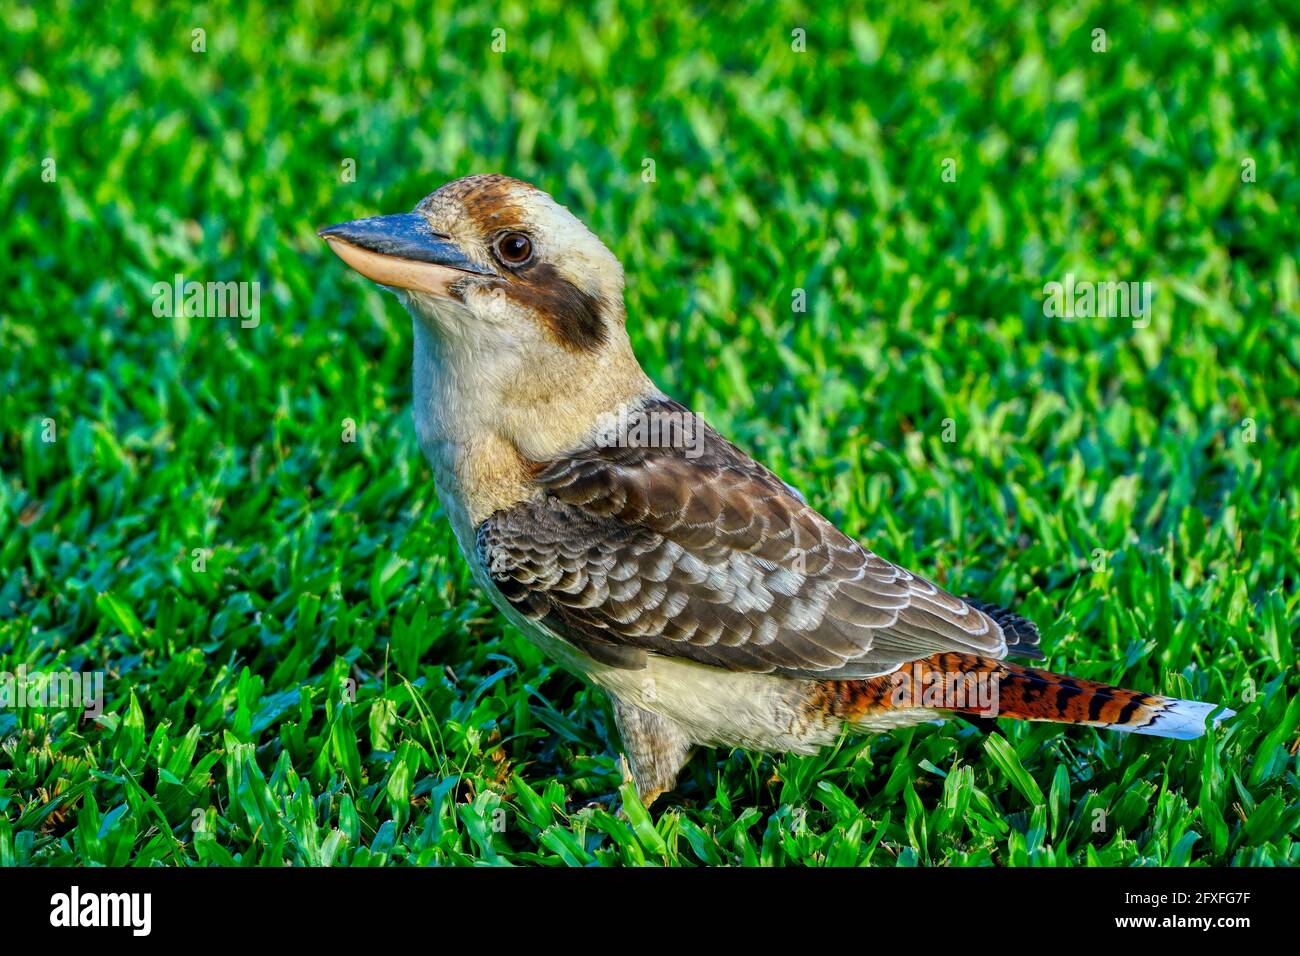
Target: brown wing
(691,549)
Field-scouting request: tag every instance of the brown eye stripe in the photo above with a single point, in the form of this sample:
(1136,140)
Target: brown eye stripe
(575,317)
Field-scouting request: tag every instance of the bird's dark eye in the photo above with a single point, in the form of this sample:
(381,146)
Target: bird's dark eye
(515,248)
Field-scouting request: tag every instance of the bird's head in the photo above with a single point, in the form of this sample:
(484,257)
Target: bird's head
(518,307)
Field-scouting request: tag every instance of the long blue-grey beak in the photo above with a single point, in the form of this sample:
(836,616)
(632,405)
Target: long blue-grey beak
(401,251)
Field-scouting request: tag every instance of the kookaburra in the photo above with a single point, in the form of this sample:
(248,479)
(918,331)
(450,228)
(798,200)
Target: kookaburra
(645,551)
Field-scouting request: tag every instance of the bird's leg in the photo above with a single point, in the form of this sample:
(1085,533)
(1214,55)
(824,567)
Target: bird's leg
(656,749)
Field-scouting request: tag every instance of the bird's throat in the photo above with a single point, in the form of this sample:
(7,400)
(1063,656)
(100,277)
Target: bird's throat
(485,429)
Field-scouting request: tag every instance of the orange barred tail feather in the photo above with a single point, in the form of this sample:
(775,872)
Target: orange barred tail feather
(982,686)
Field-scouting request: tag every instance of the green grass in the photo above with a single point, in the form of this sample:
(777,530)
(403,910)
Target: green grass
(1099,475)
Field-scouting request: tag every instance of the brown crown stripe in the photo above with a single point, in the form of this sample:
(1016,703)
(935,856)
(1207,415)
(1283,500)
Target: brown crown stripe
(479,192)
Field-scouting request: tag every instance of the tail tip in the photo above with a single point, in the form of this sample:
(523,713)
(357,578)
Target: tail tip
(1184,719)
